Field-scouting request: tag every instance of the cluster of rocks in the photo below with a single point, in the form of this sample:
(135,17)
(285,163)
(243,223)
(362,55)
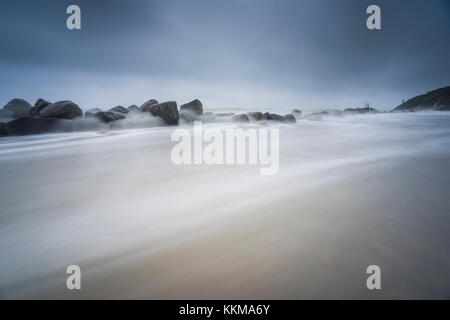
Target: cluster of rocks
(259,116)
(18,117)
(22,118)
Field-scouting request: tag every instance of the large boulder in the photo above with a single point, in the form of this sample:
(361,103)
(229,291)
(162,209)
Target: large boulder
(2,129)
(109,116)
(18,108)
(289,118)
(240,118)
(148,104)
(91,112)
(257,116)
(296,112)
(273,117)
(195,106)
(62,110)
(38,106)
(133,108)
(279,118)
(5,115)
(33,125)
(168,111)
(119,109)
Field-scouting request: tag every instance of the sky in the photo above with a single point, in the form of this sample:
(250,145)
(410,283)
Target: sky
(233,53)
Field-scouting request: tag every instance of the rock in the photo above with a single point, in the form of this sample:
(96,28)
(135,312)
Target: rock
(119,109)
(168,111)
(194,106)
(240,118)
(4,114)
(18,108)
(62,110)
(438,100)
(279,118)
(109,116)
(2,130)
(258,116)
(32,125)
(296,112)
(273,117)
(38,106)
(133,108)
(147,105)
(91,112)
(289,118)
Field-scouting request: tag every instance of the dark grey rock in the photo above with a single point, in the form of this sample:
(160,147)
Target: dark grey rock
(2,130)
(168,111)
(91,112)
(18,108)
(240,118)
(273,117)
(258,116)
(32,125)
(133,108)
(289,118)
(109,116)
(296,112)
(194,106)
(38,106)
(88,124)
(62,110)
(120,109)
(147,105)
(4,114)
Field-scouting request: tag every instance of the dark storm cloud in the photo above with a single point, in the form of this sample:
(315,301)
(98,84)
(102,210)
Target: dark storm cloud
(229,53)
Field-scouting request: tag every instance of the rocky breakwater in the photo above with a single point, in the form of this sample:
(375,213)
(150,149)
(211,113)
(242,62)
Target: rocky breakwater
(18,117)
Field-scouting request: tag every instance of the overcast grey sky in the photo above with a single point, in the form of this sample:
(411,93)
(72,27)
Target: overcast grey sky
(233,53)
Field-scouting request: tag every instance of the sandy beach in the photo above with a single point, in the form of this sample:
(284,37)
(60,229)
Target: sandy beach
(351,191)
